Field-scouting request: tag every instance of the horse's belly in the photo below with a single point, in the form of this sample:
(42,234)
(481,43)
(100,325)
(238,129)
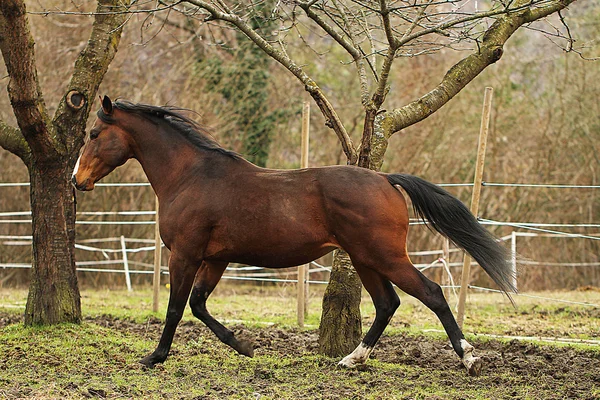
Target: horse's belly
(265,254)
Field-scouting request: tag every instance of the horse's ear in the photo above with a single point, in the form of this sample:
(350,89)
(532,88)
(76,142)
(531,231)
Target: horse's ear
(107,105)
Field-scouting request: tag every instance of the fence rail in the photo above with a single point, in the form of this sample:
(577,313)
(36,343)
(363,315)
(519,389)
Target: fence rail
(128,246)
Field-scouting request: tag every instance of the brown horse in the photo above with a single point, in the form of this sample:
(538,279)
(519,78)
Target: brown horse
(217,208)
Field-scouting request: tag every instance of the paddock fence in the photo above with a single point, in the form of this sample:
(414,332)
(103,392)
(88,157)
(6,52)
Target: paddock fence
(120,254)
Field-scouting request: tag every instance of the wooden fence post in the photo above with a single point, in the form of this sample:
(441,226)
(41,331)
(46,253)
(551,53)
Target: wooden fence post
(125,264)
(513,256)
(303,269)
(446,272)
(483,132)
(157,258)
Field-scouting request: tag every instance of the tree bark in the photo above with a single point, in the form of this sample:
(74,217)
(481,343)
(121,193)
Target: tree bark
(17,46)
(49,149)
(53,291)
(340,330)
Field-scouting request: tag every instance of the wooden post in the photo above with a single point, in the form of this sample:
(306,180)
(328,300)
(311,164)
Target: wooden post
(157,258)
(446,273)
(303,269)
(125,264)
(438,273)
(513,256)
(483,132)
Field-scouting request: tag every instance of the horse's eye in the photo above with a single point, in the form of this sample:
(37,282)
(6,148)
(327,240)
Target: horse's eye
(94,134)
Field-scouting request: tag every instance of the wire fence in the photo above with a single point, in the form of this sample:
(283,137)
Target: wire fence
(117,260)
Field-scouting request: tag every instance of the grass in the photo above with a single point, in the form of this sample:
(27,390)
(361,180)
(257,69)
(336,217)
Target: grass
(486,313)
(100,360)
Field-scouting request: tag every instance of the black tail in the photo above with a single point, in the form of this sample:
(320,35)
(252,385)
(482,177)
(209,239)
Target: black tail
(450,217)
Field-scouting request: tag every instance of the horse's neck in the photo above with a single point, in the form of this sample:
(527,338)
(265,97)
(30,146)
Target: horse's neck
(170,160)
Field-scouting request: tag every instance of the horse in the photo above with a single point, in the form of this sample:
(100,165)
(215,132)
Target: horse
(217,208)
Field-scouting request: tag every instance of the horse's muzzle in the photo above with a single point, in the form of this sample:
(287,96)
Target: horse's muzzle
(81,186)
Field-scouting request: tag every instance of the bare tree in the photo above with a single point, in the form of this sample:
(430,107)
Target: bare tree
(49,147)
(373,34)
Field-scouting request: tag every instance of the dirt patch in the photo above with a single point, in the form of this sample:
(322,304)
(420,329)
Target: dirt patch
(571,371)
(547,372)
(7,319)
(288,341)
(567,370)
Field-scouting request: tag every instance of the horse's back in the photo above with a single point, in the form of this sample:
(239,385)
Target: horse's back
(333,194)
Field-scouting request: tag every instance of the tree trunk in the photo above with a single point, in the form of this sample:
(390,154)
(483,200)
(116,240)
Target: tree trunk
(340,330)
(49,147)
(341,326)
(53,292)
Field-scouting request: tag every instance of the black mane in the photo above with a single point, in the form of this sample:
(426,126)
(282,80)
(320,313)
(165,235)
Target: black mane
(194,132)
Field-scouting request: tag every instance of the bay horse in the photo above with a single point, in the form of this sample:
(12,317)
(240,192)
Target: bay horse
(217,208)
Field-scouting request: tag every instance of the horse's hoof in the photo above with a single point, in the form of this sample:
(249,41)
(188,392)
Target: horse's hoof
(348,362)
(474,366)
(358,358)
(147,363)
(150,361)
(245,348)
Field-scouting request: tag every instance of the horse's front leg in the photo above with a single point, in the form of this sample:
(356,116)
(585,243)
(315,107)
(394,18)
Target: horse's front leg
(181,276)
(207,278)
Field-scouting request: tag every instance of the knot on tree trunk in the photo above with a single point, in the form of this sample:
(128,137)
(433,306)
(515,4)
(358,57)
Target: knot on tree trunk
(75,100)
(311,87)
(497,52)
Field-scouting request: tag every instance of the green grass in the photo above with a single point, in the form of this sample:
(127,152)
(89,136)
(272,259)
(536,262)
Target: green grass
(94,360)
(486,313)
(91,361)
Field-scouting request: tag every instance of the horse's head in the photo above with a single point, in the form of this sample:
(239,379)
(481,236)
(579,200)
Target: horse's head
(107,147)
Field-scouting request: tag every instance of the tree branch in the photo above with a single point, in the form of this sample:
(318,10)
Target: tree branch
(333,120)
(12,140)
(351,48)
(364,153)
(393,45)
(17,46)
(90,68)
(520,7)
(468,68)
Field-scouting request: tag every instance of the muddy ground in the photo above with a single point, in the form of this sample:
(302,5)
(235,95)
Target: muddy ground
(563,369)
(552,372)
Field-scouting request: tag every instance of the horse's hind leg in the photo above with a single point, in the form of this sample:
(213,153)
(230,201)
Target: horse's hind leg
(207,278)
(413,282)
(181,276)
(386,302)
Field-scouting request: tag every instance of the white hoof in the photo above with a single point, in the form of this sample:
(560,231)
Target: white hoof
(472,363)
(348,362)
(359,356)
